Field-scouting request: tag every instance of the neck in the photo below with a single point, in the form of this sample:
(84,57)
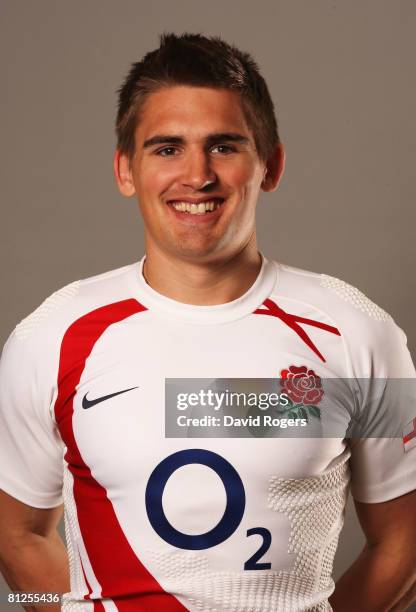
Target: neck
(202,283)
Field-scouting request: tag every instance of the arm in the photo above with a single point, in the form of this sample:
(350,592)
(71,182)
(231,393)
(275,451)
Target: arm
(33,556)
(383,578)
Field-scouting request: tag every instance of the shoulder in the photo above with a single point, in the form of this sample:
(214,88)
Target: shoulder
(340,298)
(322,286)
(370,335)
(38,335)
(75,299)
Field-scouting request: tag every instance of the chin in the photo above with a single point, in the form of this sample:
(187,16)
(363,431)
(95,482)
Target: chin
(196,251)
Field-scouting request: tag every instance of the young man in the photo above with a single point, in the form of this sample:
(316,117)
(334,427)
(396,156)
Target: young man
(223,522)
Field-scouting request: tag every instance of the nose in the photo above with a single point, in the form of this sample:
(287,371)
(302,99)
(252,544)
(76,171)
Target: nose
(198,172)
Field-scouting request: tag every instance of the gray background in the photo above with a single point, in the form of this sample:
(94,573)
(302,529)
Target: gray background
(342,78)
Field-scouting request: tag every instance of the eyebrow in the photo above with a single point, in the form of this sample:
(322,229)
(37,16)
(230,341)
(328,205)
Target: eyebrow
(209,140)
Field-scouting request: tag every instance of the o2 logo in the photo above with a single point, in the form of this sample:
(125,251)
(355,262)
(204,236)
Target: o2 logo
(234,510)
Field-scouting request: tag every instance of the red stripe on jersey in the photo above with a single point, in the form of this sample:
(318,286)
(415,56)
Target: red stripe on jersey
(293,322)
(411,434)
(98,605)
(123,578)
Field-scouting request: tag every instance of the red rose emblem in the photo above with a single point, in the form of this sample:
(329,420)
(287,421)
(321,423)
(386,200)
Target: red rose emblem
(302,385)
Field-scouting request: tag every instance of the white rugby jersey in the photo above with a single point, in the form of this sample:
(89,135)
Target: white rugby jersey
(201,524)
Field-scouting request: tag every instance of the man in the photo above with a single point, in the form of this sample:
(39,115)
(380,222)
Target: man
(156,521)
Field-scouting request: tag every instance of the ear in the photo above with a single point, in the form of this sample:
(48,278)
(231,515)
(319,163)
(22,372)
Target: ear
(123,174)
(274,169)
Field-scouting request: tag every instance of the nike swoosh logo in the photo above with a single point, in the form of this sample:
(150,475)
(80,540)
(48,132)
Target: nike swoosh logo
(86,403)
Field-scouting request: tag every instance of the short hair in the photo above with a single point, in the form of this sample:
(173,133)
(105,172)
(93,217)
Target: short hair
(201,61)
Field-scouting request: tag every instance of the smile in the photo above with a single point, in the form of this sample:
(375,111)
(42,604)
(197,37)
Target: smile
(196,208)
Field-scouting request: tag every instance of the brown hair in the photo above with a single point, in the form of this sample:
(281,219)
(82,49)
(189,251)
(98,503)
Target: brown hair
(197,60)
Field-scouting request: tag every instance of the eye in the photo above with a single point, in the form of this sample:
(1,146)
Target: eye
(223,146)
(160,151)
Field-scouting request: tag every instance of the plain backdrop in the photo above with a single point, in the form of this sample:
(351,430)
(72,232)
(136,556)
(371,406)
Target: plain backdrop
(341,75)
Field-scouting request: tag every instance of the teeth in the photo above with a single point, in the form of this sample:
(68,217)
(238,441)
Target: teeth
(196,209)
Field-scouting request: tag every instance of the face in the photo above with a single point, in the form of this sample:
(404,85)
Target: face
(193,146)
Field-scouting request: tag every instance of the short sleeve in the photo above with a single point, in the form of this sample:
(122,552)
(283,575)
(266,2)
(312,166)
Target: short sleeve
(31,450)
(383,457)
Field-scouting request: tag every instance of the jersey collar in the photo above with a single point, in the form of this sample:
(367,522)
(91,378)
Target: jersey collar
(197,314)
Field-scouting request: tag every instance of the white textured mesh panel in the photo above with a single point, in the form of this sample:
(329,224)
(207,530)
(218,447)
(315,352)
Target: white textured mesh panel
(322,607)
(355,297)
(188,573)
(327,563)
(74,606)
(315,507)
(78,586)
(53,302)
